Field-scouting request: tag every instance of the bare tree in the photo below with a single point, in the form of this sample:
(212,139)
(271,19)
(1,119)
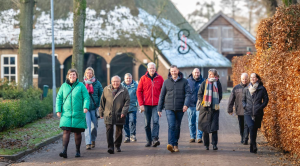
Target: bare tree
(24,60)
(79,7)
(233,5)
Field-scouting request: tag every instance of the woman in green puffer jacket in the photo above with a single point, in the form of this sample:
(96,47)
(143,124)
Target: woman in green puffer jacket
(72,103)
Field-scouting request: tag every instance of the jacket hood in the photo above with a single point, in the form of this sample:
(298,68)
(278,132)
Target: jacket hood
(191,77)
(180,76)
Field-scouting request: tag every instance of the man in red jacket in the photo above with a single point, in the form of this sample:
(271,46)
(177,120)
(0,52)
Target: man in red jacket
(148,92)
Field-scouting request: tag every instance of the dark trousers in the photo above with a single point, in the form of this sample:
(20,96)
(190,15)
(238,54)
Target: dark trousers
(244,130)
(174,122)
(110,135)
(214,138)
(253,127)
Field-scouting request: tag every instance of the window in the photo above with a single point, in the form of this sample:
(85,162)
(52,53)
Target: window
(227,39)
(35,63)
(221,37)
(9,67)
(213,36)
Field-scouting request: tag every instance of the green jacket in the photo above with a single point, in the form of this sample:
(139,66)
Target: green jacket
(98,89)
(72,114)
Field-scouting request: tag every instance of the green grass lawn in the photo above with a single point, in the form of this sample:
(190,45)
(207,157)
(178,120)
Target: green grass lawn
(20,139)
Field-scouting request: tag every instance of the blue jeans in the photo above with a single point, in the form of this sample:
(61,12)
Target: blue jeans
(92,125)
(174,122)
(193,116)
(151,112)
(130,125)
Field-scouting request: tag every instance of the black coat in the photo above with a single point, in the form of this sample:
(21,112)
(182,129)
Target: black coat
(208,118)
(236,100)
(174,95)
(254,104)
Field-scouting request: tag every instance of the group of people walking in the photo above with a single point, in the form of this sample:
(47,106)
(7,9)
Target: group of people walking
(80,104)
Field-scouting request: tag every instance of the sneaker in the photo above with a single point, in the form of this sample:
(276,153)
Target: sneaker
(133,138)
(170,148)
(127,140)
(93,144)
(199,140)
(176,149)
(156,143)
(192,140)
(88,147)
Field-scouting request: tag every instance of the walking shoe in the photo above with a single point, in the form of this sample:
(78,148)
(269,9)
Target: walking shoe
(245,142)
(254,148)
(118,149)
(176,149)
(110,151)
(88,147)
(251,148)
(133,138)
(156,143)
(127,140)
(148,144)
(215,147)
(199,140)
(77,154)
(192,140)
(170,148)
(93,144)
(207,147)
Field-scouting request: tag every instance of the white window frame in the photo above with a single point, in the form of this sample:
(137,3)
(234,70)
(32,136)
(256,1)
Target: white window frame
(34,75)
(9,65)
(228,39)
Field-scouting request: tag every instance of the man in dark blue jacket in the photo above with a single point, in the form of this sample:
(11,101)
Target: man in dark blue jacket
(195,79)
(175,98)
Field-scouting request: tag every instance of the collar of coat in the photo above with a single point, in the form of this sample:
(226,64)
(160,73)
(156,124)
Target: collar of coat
(129,86)
(73,84)
(119,92)
(243,85)
(192,78)
(180,76)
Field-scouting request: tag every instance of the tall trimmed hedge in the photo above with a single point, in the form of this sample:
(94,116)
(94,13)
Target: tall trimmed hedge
(278,63)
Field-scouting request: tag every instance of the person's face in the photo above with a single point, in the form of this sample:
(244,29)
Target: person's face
(196,74)
(128,80)
(89,74)
(115,82)
(244,80)
(211,75)
(174,72)
(151,70)
(253,78)
(72,77)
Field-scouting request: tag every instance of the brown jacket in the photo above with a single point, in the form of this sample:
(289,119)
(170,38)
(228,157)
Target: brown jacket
(111,107)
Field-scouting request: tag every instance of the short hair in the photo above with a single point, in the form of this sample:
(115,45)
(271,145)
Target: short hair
(127,74)
(116,76)
(244,74)
(197,69)
(214,71)
(71,71)
(151,63)
(173,66)
(91,69)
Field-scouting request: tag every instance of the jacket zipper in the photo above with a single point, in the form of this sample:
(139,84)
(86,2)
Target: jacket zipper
(71,109)
(174,95)
(152,90)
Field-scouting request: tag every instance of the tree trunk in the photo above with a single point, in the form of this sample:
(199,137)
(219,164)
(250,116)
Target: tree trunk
(79,7)
(25,66)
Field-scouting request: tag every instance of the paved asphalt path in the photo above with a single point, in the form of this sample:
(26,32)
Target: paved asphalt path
(231,152)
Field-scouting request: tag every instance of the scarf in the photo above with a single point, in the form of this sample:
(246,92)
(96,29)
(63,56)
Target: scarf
(252,88)
(211,94)
(89,84)
(114,91)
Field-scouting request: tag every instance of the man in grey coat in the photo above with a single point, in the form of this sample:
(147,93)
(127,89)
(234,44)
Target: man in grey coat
(235,99)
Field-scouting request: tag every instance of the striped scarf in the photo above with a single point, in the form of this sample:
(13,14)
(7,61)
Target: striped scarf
(211,94)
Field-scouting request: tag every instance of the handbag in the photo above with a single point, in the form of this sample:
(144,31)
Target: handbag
(67,97)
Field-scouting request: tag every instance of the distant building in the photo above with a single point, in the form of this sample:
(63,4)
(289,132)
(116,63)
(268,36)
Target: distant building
(111,34)
(228,37)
